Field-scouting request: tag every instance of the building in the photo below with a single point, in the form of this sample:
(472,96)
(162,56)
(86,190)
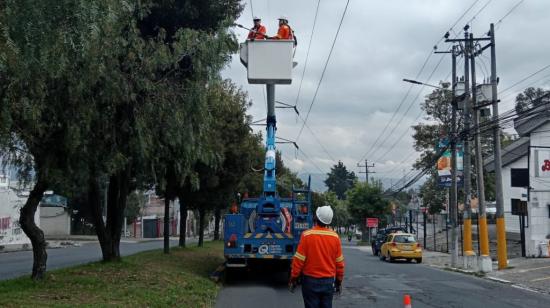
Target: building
(12,200)
(55,215)
(526,179)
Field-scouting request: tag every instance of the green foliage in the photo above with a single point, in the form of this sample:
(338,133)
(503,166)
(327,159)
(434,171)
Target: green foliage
(531,97)
(366,200)
(434,197)
(340,180)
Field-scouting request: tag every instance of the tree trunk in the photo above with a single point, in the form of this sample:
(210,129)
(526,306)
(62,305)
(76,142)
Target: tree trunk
(166,224)
(217,218)
(183,221)
(202,212)
(35,234)
(109,234)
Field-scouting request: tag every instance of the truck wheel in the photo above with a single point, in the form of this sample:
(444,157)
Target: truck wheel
(390,258)
(419,260)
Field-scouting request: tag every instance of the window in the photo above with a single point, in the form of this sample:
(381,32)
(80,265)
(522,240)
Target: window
(404,239)
(519,177)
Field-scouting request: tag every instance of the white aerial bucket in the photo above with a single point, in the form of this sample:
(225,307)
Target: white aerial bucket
(268,61)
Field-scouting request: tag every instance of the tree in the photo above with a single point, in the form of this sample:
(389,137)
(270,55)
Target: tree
(48,70)
(433,196)
(339,180)
(530,98)
(366,200)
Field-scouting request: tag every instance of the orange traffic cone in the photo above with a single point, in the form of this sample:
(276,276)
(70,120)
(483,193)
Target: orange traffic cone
(407,301)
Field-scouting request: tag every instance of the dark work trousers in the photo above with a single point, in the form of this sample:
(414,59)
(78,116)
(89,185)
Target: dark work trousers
(317,292)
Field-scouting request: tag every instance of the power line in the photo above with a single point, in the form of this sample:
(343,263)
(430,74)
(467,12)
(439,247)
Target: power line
(307,53)
(509,117)
(311,160)
(317,139)
(479,11)
(525,78)
(509,12)
(409,108)
(324,70)
(251,9)
(417,76)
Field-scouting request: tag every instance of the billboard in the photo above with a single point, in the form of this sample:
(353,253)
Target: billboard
(444,164)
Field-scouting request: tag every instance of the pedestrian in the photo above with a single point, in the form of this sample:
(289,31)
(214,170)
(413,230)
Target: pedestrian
(285,32)
(258,31)
(320,262)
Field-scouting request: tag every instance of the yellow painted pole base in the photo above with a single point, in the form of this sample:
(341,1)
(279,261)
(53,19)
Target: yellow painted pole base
(502,253)
(483,236)
(468,248)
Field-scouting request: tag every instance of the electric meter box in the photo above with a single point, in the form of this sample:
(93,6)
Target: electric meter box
(268,61)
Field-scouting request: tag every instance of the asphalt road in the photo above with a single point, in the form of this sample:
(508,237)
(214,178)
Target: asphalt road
(15,264)
(370,282)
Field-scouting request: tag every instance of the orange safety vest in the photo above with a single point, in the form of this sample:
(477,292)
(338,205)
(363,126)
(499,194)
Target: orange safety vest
(257,33)
(319,255)
(284,33)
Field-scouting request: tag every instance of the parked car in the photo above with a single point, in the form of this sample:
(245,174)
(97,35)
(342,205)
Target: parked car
(401,246)
(381,236)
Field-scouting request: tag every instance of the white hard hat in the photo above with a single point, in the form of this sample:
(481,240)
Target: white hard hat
(256,18)
(324,214)
(283,17)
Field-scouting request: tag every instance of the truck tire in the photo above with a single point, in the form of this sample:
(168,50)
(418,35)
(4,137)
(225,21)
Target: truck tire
(418,260)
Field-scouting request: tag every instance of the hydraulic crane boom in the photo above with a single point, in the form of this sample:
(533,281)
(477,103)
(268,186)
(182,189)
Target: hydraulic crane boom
(270,179)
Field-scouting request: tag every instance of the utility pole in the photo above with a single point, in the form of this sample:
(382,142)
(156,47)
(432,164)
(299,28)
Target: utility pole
(468,251)
(483,235)
(453,202)
(501,227)
(366,172)
(453,206)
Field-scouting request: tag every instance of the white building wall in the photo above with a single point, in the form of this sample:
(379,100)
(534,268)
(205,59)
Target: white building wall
(509,193)
(55,220)
(10,205)
(538,207)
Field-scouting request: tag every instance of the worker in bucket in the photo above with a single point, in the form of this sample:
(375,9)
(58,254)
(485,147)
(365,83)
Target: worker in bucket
(285,32)
(258,31)
(320,262)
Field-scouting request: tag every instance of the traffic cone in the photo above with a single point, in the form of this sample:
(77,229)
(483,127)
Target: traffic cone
(407,301)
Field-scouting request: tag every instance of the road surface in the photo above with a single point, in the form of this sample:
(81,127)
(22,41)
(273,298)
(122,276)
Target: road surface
(15,264)
(370,282)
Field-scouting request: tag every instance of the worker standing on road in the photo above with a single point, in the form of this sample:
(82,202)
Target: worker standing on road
(258,31)
(285,32)
(320,261)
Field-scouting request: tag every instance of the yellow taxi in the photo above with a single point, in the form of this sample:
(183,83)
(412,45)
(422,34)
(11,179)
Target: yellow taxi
(401,246)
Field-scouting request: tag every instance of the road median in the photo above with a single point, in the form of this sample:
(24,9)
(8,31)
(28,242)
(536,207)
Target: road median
(144,279)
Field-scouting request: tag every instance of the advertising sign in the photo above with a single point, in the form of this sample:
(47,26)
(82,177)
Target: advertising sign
(372,222)
(444,164)
(542,159)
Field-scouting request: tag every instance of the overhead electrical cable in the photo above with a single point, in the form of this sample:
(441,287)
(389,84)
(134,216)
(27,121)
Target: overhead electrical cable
(324,70)
(307,53)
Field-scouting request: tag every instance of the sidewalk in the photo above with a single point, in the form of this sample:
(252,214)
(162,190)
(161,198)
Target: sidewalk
(527,273)
(54,242)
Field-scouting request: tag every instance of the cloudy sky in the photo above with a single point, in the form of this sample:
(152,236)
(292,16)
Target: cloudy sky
(379,44)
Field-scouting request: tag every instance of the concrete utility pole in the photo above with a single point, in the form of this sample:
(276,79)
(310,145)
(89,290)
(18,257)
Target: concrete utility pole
(483,235)
(453,206)
(501,227)
(468,250)
(366,172)
(453,198)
